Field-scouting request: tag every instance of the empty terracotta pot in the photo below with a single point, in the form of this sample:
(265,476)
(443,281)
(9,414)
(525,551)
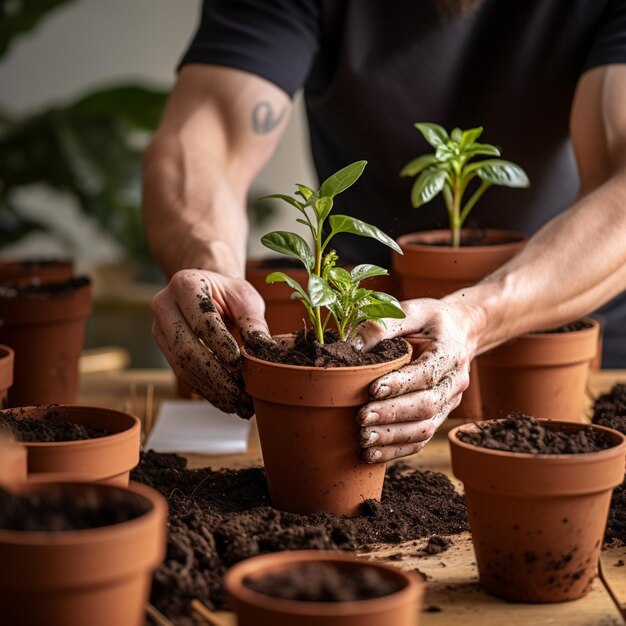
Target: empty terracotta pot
(256,609)
(12,462)
(7,359)
(537,521)
(23,272)
(99,576)
(106,459)
(431,268)
(45,326)
(540,374)
(309,435)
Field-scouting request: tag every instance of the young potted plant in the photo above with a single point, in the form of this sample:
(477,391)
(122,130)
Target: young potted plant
(538,495)
(306,406)
(322,589)
(543,373)
(73,554)
(97,444)
(436,263)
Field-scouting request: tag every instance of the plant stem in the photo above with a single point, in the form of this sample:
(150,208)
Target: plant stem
(319,330)
(455,220)
(473,200)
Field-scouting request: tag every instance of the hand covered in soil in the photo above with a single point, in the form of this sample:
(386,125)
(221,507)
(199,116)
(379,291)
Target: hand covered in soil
(411,403)
(190,327)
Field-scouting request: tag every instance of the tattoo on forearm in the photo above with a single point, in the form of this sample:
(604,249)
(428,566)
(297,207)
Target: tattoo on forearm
(264,120)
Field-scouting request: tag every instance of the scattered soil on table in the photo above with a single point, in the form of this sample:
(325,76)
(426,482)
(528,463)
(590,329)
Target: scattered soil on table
(35,290)
(325,582)
(435,545)
(524,433)
(609,409)
(566,328)
(58,509)
(50,428)
(307,351)
(218,518)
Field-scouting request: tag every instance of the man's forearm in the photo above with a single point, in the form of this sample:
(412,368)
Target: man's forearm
(193,216)
(570,267)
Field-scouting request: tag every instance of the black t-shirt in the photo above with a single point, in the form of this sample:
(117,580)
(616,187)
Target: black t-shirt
(370,69)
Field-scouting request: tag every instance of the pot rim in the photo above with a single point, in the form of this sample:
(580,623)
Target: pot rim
(406,240)
(583,457)
(112,532)
(233,581)
(546,336)
(127,433)
(354,368)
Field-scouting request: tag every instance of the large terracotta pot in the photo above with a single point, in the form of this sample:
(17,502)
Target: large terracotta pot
(7,360)
(12,462)
(45,326)
(99,577)
(257,609)
(106,459)
(541,374)
(431,268)
(537,521)
(309,435)
(35,271)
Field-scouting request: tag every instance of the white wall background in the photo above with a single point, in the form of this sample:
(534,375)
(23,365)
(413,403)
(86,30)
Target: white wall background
(94,42)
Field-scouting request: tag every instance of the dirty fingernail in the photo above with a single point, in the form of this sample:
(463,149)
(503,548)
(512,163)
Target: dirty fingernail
(370,437)
(357,342)
(383,391)
(371,417)
(372,456)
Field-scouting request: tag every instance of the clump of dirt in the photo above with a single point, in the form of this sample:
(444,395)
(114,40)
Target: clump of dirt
(523,433)
(566,328)
(325,582)
(609,409)
(307,351)
(50,428)
(58,509)
(616,524)
(218,518)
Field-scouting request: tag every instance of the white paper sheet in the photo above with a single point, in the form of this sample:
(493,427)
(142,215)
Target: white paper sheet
(197,426)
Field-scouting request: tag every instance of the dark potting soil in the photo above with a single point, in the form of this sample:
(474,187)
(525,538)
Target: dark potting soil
(616,524)
(50,428)
(218,518)
(308,351)
(524,433)
(472,240)
(609,409)
(34,290)
(566,328)
(325,582)
(58,509)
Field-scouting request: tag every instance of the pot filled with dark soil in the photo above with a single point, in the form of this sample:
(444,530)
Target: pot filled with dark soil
(24,272)
(12,462)
(542,374)
(538,495)
(73,554)
(101,445)
(322,588)
(431,268)
(45,326)
(7,359)
(306,403)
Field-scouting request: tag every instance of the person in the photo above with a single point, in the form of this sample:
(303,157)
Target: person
(547,80)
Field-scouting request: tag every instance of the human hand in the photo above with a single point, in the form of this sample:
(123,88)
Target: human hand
(190,317)
(411,403)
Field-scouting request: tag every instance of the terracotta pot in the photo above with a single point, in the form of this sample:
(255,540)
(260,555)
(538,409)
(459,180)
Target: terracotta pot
(7,360)
(537,521)
(257,609)
(309,435)
(46,327)
(541,374)
(12,462)
(430,268)
(106,459)
(99,576)
(35,271)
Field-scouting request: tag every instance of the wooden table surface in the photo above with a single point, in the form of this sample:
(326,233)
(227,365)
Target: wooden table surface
(453,593)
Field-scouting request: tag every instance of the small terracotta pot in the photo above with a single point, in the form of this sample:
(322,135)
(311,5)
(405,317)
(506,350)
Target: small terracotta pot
(106,459)
(39,271)
(537,521)
(309,436)
(257,609)
(45,326)
(7,360)
(427,270)
(12,462)
(541,374)
(99,576)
